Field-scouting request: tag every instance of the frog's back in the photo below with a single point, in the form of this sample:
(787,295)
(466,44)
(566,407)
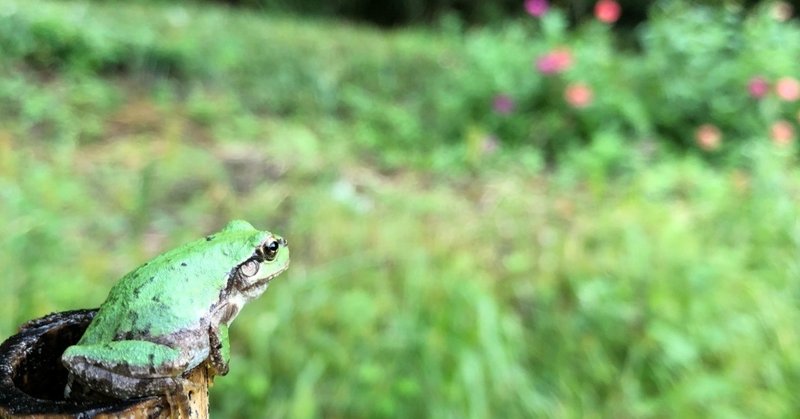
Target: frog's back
(173,291)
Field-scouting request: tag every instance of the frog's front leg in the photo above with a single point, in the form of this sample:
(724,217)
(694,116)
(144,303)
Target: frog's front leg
(219,357)
(130,368)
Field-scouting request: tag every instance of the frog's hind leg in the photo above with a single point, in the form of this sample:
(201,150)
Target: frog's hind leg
(126,369)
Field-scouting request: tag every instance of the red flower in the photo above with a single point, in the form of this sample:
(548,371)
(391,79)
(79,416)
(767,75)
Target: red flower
(708,137)
(578,95)
(782,132)
(536,8)
(555,61)
(788,89)
(607,11)
(758,87)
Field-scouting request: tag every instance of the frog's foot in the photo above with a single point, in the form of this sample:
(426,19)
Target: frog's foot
(127,369)
(219,351)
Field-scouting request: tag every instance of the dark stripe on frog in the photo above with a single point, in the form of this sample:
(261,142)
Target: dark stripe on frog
(234,275)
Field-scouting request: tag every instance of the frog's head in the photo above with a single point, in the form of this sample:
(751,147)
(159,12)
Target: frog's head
(270,257)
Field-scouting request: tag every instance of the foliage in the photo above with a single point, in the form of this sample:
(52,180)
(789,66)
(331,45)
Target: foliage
(624,281)
(384,13)
(692,66)
(404,96)
(670,293)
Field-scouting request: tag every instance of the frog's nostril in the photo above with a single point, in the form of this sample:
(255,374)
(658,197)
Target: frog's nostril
(283,242)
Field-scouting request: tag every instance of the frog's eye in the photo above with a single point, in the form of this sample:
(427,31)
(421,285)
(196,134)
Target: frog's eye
(270,250)
(249,268)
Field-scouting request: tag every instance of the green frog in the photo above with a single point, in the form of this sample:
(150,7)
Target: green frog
(172,314)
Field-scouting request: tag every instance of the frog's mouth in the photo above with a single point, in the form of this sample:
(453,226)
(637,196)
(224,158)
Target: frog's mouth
(260,284)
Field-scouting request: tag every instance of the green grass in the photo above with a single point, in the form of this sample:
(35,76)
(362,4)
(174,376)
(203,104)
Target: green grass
(611,286)
(229,65)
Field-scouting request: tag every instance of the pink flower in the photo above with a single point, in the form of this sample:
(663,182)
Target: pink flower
(503,104)
(607,11)
(758,87)
(782,132)
(555,61)
(708,137)
(788,89)
(536,8)
(578,95)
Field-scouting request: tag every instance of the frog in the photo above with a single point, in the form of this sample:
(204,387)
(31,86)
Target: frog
(172,314)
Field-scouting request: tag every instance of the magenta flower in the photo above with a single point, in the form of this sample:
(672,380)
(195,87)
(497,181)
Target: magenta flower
(503,104)
(555,61)
(758,87)
(536,8)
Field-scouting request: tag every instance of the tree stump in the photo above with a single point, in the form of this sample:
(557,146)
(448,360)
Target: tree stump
(32,378)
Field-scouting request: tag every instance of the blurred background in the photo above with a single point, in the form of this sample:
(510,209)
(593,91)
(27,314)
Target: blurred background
(496,209)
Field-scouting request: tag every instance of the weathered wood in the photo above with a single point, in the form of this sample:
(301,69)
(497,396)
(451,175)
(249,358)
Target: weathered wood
(32,378)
